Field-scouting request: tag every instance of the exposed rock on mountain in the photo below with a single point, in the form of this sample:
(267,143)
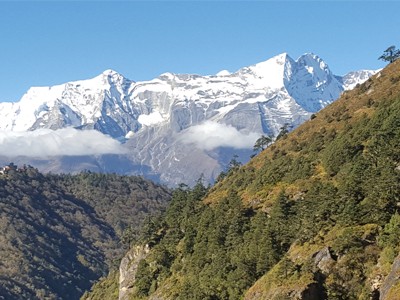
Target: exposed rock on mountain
(390,287)
(158,116)
(128,270)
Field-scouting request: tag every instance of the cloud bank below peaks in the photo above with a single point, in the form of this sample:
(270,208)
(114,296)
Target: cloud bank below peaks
(43,143)
(211,135)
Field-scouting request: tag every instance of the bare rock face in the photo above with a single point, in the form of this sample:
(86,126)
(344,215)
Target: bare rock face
(324,260)
(128,269)
(392,280)
(323,263)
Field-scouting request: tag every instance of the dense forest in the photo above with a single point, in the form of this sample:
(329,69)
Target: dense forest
(60,233)
(314,216)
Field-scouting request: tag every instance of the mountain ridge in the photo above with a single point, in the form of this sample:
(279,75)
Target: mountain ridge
(255,100)
(266,71)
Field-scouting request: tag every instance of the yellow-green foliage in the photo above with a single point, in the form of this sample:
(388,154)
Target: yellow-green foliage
(323,145)
(284,278)
(394,292)
(386,259)
(330,185)
(105,288)
(343,274)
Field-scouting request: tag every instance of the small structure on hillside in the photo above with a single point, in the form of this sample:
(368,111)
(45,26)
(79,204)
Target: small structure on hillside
(8,168)
(26,169)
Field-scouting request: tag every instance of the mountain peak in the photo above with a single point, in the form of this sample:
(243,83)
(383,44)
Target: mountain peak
(281,57)
(310,55)
(269,73)
(312,60)
(110,72)
(223,73)
(112,77)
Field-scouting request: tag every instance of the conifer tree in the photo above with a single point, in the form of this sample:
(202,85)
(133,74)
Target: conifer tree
(390,54)
(262,143)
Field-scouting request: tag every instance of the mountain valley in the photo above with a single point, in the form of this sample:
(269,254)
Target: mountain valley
(60,233)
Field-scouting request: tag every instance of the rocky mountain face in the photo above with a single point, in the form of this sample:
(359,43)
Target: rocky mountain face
(179,126)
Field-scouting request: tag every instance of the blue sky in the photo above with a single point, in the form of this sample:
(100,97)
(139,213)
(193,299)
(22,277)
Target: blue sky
(52,42)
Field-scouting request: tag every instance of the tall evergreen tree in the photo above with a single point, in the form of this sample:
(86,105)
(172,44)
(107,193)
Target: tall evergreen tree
(390,54)
(262,143)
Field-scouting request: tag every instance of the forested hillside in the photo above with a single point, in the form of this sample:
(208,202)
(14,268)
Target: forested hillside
(60,233)
(314,216)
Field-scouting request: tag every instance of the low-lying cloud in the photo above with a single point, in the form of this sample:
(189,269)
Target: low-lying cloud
(210,135)
(67,141)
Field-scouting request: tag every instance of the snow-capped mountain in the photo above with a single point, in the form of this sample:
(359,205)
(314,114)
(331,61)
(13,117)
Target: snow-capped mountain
(350,80)
(100,103)
(179,125)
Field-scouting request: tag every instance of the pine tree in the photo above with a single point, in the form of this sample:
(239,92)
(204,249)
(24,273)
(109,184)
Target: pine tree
(284,131)
(390,54)
(262,143)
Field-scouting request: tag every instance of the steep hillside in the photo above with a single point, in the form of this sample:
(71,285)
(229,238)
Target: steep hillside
(61,233)
(314,216)
(122,201)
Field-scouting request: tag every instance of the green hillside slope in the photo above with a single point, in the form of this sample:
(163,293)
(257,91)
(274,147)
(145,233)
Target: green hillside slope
(314,216)
(59,233)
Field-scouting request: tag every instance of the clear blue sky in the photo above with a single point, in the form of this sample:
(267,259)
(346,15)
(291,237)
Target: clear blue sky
(52,42)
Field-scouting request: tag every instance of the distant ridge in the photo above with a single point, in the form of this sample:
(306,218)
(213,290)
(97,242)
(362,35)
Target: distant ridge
(59,234)
(160,120)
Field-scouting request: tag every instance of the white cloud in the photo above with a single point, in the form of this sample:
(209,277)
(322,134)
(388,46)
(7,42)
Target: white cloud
(210,135)
(67,141)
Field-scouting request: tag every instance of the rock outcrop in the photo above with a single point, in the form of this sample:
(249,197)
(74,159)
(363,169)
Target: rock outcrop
(128,269)
(390,287)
